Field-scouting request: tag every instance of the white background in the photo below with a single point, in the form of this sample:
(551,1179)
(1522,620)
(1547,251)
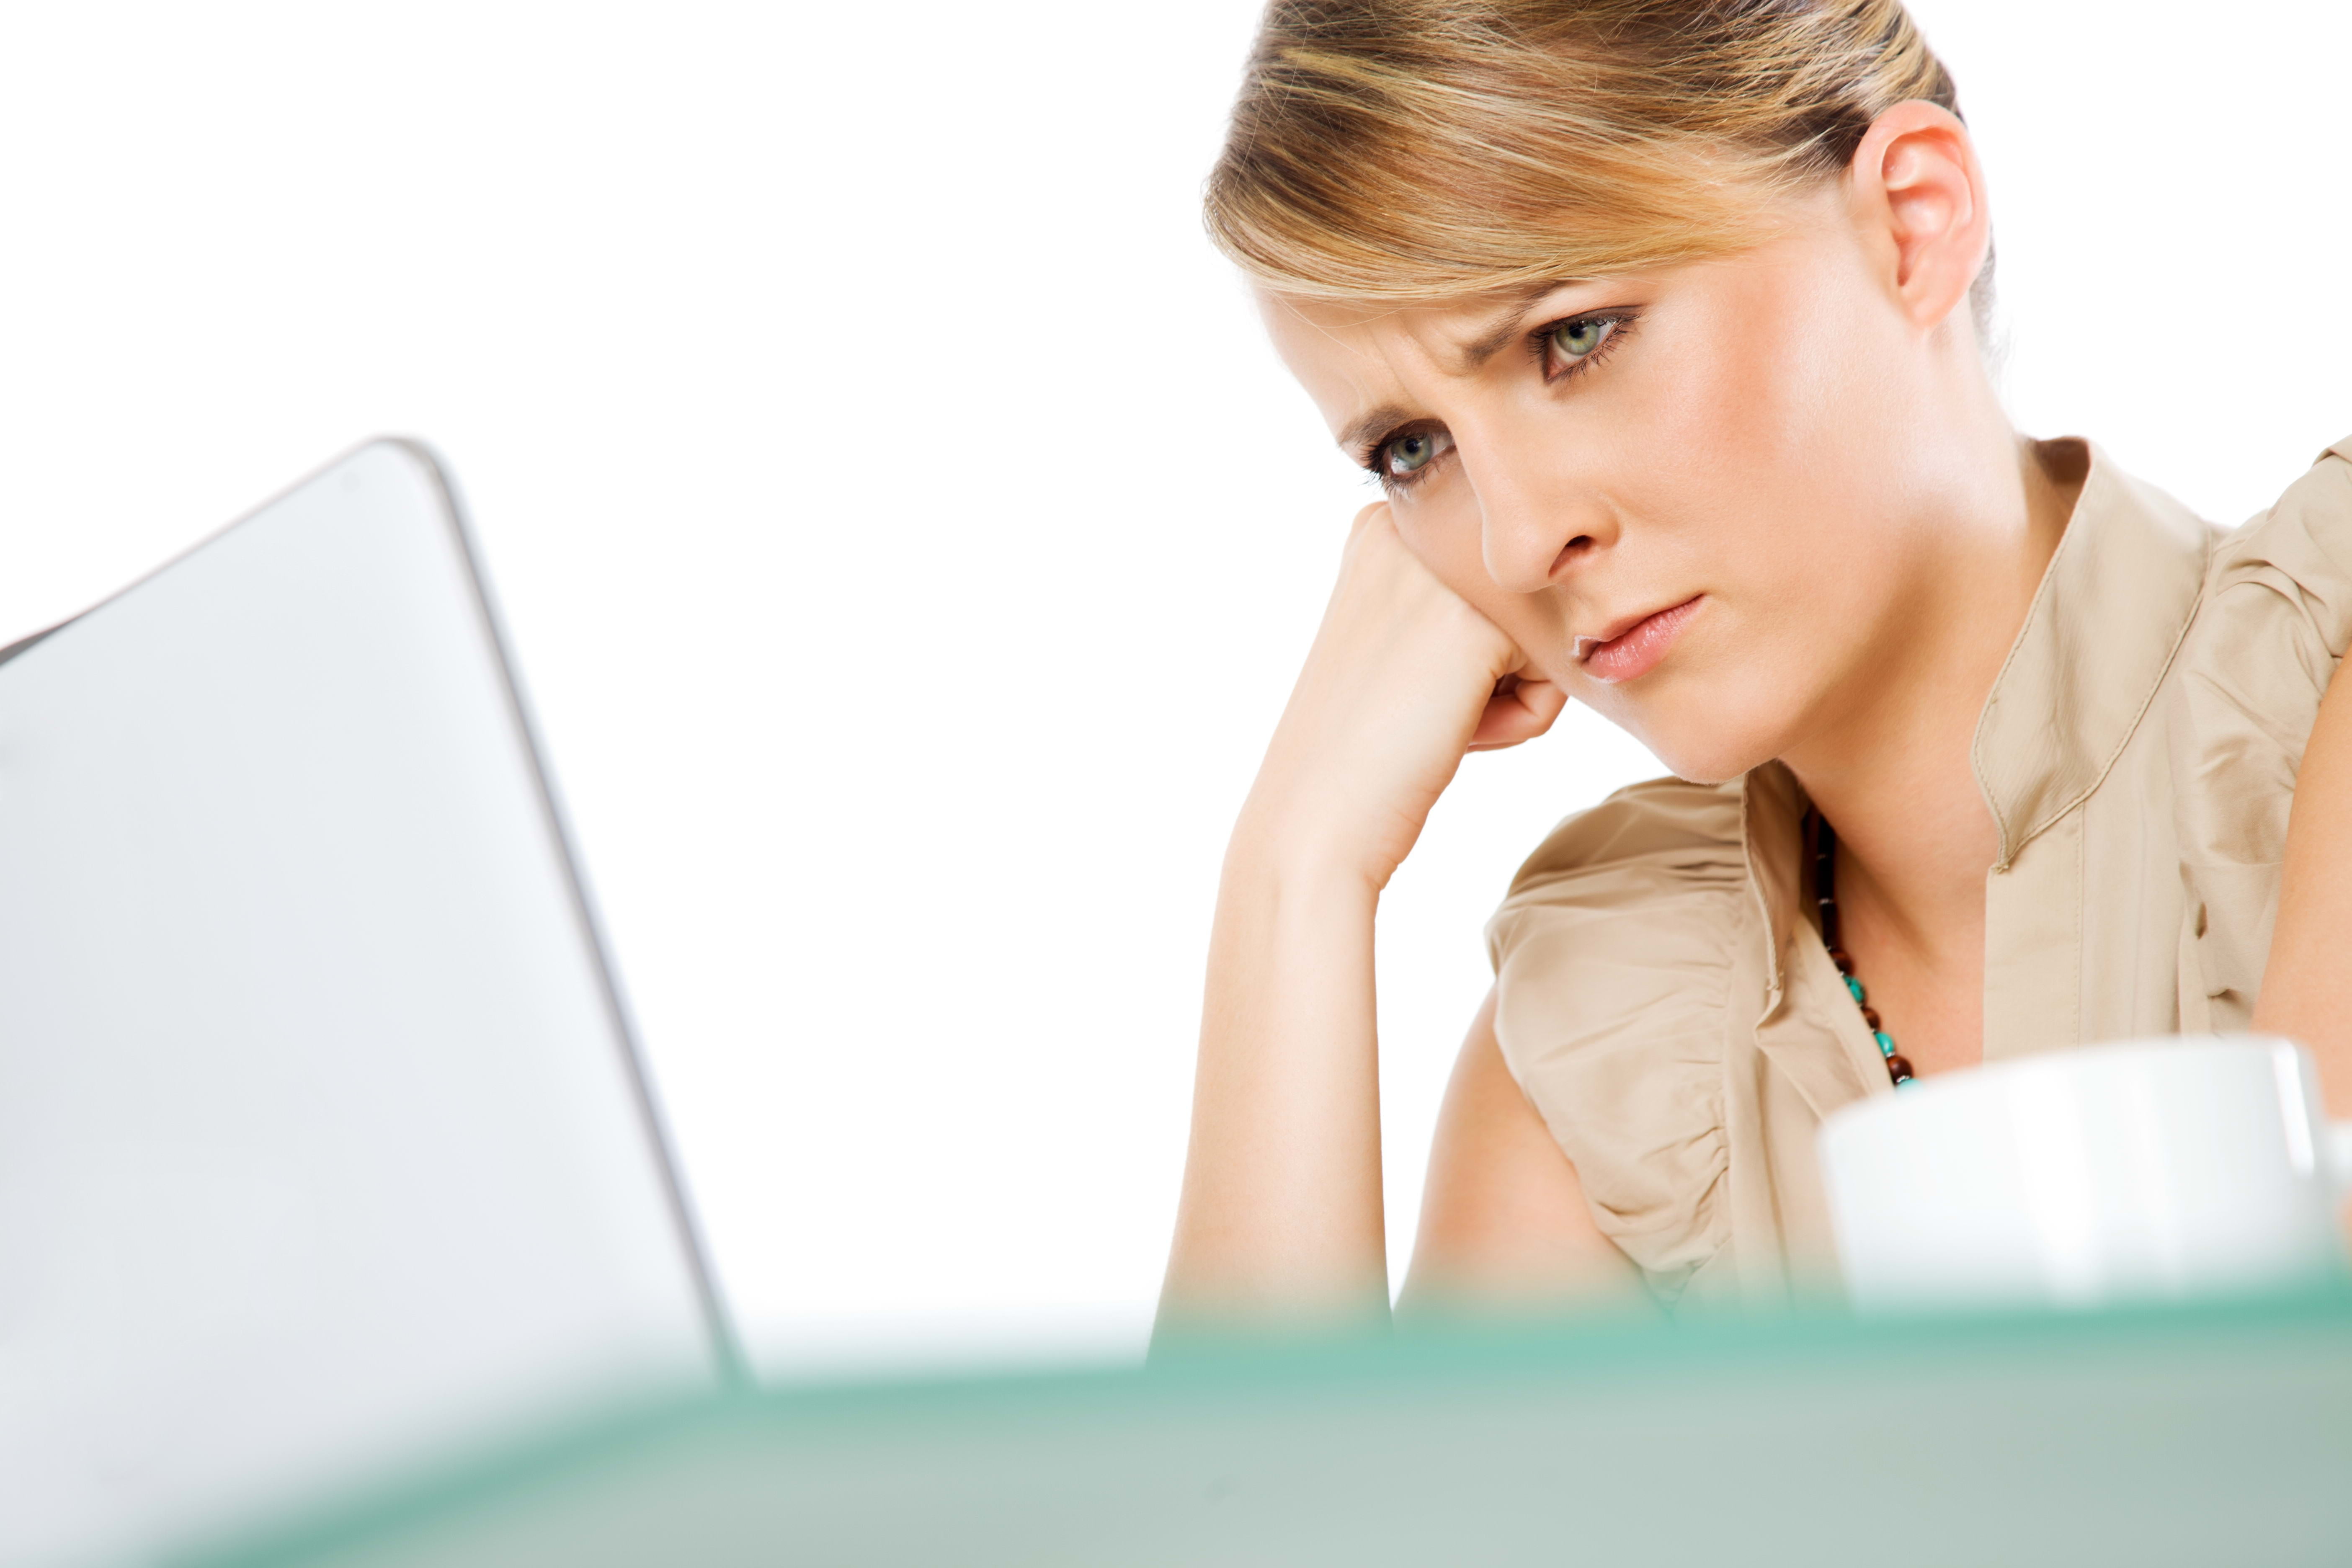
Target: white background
(907,538)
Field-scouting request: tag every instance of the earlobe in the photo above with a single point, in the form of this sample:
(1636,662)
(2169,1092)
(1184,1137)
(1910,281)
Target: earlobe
(1915,182)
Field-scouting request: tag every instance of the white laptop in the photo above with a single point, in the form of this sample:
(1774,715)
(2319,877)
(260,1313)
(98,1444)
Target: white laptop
(323,1142)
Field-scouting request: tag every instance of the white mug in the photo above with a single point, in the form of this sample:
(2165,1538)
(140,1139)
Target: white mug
(2150,1170)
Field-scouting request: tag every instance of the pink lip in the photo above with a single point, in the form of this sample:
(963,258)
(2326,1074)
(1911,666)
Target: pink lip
(1635,648)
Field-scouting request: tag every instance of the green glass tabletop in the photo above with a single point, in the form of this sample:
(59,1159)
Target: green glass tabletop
(2213,1435)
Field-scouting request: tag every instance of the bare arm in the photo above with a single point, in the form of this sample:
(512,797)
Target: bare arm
(1503,1224)
(1281,1215)
(2307,985)
(1281,1219)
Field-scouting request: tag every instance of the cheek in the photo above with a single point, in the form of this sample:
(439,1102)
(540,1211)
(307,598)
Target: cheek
(1738,497)
(1764,389)
(1773,462)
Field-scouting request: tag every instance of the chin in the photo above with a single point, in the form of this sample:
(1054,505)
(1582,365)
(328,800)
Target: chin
(1703,742)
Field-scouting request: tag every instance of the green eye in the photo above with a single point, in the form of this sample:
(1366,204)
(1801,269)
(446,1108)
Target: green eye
(1409,454)
(1578,338)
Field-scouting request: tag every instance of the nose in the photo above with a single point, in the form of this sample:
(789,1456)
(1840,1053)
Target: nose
(1534,526)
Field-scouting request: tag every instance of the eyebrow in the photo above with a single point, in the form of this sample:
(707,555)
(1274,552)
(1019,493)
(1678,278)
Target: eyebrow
(1366,429)
(1506,328)
(1357,439)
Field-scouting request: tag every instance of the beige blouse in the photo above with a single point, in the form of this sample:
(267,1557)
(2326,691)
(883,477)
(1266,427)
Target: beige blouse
(1662,996)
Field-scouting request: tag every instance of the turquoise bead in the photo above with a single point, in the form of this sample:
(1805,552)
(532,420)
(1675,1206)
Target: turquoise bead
(1856,986)
(1885,1043)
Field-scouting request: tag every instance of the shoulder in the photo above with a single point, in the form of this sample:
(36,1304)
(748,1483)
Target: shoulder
(1648,844)
(2277,616)
(1627,913)
(2295,559)
(2321,498)
(2275,620)
(1614,974)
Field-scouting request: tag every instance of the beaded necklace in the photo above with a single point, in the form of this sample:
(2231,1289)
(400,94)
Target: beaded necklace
(1825,892)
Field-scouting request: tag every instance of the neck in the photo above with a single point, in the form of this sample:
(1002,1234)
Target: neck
(1893,771)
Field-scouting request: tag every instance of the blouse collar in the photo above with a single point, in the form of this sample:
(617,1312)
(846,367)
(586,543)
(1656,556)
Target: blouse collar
(2113,606)
(2111,610)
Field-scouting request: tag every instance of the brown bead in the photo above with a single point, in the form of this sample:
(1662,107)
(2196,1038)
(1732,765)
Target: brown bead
(1870,1016)
(1838,957)
(1899,1068)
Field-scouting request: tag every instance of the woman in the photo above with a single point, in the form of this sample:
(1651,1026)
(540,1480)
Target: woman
(1661,322)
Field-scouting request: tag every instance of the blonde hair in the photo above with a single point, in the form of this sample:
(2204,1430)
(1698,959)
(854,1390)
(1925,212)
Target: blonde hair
(1421,149)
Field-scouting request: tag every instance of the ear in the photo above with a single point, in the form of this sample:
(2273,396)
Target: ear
(1918,193)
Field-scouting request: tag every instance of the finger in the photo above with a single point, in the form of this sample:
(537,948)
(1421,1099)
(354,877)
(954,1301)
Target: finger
(1520,710)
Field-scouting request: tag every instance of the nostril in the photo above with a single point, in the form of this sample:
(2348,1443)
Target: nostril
(1582,545)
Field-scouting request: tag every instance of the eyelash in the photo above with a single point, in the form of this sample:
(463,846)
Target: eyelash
(1619,322)
(1539,348)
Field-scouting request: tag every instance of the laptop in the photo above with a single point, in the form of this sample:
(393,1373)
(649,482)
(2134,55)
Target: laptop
(324,1142)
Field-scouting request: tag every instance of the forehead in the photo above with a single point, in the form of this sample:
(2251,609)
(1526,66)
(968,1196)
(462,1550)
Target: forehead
(1352,355)
(1304,324)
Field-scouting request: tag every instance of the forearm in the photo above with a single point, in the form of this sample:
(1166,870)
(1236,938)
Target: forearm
(1281,1217)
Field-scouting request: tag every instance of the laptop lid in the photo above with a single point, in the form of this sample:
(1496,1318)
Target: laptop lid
(324,1140)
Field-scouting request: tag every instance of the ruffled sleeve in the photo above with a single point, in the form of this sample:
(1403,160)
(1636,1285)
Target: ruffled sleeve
(1612,959)
(2277,617)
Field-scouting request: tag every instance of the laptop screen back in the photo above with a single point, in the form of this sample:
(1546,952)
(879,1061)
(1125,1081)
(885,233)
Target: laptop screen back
(322,1142)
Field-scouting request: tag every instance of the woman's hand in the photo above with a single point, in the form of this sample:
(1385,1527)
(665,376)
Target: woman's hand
(1403,677)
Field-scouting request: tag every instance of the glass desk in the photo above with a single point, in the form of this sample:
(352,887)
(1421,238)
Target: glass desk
(2217,1435)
